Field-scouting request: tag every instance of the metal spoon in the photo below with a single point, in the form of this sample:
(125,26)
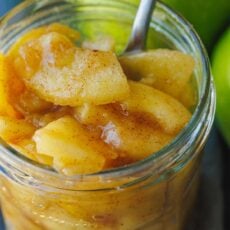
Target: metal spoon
(140,27)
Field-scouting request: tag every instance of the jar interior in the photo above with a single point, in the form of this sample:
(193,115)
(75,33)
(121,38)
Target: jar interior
(109,18)
(114,18)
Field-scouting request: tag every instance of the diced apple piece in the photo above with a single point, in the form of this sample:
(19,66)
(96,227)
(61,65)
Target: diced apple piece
(26,147)
(18,134)
(84,76)
(102,43)
(188,97)
(166,70)
(137,140)
(28,103)
(168,112)
(44,159)
(41,120)
(9,87)
(135,134)
(93,114)
(72,147)
(13,130)
(15,99)
(72,34)
(51,50)
(34,34)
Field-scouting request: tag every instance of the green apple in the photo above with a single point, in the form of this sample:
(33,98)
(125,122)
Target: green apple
(207,16)
(221,73)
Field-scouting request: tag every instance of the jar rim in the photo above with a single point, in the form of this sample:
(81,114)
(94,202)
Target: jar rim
(16,158)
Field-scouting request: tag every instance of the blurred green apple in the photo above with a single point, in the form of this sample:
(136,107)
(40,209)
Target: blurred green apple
(207,16)
(221,73)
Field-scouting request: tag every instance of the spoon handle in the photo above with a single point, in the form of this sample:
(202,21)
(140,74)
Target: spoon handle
(140,26)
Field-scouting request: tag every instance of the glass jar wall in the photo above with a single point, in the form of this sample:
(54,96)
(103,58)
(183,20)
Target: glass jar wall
(156,193)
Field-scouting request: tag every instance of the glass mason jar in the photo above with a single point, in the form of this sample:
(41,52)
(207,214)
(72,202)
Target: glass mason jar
(156,193)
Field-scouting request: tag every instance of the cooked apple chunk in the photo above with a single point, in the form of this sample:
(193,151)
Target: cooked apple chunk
(13,130)
(27,148)
(18,134)
(61,73)
(72,147)
(135,134)
(10,88)
(29,103)
(35,33)
(167,111)
(135,139)
(166,70)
